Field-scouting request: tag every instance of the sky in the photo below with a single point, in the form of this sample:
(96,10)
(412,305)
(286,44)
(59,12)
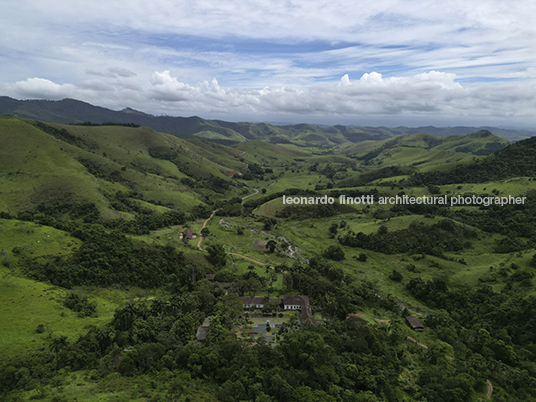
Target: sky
(387,62)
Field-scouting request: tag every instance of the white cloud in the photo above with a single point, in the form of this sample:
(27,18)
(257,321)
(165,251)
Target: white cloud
(428,95)
(42,88)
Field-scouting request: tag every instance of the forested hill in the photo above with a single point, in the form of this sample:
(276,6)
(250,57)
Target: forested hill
(516,160)
(74,111)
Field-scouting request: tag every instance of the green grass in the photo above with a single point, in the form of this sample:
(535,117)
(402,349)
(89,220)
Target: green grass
(33,240)
(25,304)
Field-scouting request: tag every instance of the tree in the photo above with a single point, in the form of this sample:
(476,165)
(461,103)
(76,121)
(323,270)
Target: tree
(216,255)
(271,245)
(334,252)
(58,343)
(396,276)
(333,230)
(205,232)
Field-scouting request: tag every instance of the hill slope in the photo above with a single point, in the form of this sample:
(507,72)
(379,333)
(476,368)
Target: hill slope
(48,162)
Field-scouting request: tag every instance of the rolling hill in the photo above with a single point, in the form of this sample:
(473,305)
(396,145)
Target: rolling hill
(43,162)
(68,111)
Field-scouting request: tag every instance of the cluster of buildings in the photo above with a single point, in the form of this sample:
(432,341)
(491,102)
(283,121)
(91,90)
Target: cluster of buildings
(288,303)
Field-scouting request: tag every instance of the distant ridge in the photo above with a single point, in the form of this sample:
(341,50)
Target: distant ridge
(75,111)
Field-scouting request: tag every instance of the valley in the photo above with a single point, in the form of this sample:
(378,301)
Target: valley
(119,242)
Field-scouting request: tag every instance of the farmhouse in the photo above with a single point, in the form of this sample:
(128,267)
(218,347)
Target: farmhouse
(188,233)
(415,323)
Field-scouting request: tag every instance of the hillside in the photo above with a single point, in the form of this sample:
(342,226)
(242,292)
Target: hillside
(515,160)
(407,154)
(43,163)
(74,111)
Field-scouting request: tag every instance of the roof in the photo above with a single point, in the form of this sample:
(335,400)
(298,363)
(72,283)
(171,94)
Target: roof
(414,322)
(294,300)
(252,300)
(210,277)
(202,333)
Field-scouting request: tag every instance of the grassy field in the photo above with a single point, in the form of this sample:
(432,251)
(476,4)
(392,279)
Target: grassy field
(25,304)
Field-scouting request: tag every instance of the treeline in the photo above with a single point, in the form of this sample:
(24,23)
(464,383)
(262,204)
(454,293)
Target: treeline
(515,220)
(63,135)
(99,171)
(445,235)
(67,216)
(367,177)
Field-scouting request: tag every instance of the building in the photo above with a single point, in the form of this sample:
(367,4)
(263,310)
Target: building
(415,323)
(255,301)
(188,233)
(291,302)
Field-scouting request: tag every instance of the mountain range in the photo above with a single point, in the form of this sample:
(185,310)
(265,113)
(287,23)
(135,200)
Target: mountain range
(71,111)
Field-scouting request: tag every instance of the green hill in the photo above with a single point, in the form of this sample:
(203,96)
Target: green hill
(48,162)
(516,160)
(74,111)
(417,152)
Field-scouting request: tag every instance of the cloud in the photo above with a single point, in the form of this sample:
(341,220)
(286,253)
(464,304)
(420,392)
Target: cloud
(42,88)
(429,95)
(433,92)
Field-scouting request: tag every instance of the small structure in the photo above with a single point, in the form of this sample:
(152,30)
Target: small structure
(415,323)
(188,233)
(210,277)
(203,330)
